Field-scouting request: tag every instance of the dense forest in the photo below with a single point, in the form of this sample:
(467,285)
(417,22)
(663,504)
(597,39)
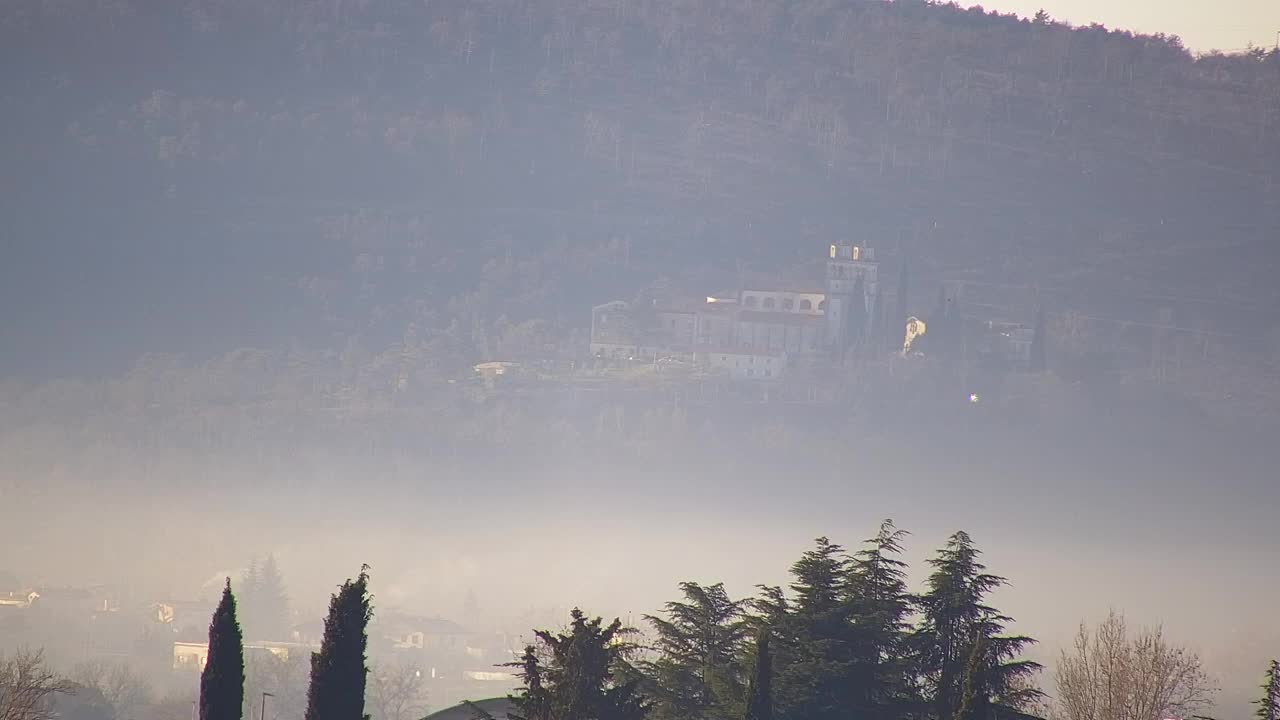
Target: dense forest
(206,176)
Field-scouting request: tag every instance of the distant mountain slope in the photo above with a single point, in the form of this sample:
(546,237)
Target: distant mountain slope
(208,175)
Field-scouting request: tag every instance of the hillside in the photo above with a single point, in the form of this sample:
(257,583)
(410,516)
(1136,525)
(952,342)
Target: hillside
(212,175)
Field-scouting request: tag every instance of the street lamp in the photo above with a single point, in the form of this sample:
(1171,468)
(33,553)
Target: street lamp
(263,715)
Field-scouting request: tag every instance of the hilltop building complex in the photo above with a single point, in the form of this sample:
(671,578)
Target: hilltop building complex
(754,333)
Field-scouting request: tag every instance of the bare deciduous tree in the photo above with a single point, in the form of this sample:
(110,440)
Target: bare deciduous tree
(1111,674)
(397,692)
(123,689)
(28,687)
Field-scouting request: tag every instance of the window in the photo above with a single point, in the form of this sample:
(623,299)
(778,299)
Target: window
(768,373)
(822,304)
(788,304)
(768,303)
(805,304)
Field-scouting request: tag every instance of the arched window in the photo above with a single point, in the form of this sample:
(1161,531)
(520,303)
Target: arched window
(788,304)
(805,304)
(750,301)
(822,304)
(768,303)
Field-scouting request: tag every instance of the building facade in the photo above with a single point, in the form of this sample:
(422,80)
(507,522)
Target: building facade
(752,333)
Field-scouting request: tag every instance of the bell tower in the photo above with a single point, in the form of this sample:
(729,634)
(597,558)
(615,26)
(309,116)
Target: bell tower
(852,289)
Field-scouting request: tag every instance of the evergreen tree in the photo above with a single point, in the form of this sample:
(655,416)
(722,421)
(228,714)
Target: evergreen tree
(880,606)
(955,620)
(1038,360)
(697,673)
(880,321)
(264,601)
(338,671)
(974,696)
(533,702)
(815,636)
(1269,704)
(760,687)
(938,341)
(895,332)
(856,319)
(222,680)
(583,674)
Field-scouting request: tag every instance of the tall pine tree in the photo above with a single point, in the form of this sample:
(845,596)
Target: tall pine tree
(264,602)
(856,321)
(222,680)
(880,607)
(955,621)
(815,638)
(975,699)
(338,671)
(582,674)
(1269,704)
(698,673)
(899,327)
(1038,361)
(760,687)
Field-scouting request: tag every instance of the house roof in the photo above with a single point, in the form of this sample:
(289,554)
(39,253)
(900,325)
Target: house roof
(415,623)
(496,708)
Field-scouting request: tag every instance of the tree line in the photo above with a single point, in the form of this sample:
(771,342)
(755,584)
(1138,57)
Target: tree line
(845,639)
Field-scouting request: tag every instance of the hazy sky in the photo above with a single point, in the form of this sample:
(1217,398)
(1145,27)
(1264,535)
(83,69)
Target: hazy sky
(1224,25)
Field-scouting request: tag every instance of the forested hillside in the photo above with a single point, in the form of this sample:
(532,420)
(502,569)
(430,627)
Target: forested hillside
(202,176)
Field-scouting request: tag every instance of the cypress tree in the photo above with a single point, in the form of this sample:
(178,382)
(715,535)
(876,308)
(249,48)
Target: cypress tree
(338,671)
(856,322)
(939,339)
(1038,360)
(1269,704)
(222,680)
(760,687)
(895,332)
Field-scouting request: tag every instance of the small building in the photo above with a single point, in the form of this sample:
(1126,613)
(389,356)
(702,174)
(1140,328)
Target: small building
(194,655)
(1006,343)
(494,370)
(743,365)
(18,599)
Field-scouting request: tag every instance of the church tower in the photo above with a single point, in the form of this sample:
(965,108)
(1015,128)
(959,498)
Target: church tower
(852,289)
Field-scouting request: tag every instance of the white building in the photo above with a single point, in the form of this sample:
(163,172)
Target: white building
(743,365)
